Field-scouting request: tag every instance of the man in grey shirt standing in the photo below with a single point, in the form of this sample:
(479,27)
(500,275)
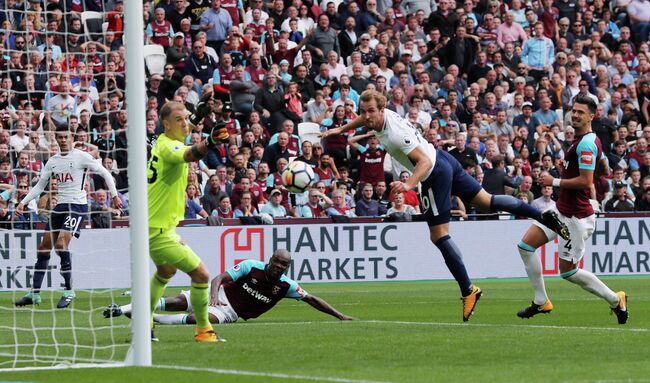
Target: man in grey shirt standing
(323,40)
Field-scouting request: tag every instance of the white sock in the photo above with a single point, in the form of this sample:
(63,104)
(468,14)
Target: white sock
(533,265)
(126,309)
(591,283)
(170,319)
(160,306)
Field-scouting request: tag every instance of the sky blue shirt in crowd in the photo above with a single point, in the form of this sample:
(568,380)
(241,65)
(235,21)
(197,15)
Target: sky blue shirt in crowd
(538,52)
(222,24)
(547,118)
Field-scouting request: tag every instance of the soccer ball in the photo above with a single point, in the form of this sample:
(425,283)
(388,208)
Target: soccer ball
(297,177)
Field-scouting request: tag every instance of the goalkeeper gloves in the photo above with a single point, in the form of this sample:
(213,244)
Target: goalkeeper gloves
(218,135)
(202,109)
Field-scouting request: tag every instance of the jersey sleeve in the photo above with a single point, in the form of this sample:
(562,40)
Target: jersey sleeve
(243,268)
(172,152)
(587,152)
(295,291)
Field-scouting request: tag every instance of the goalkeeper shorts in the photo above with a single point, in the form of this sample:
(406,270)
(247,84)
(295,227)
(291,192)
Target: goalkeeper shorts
(165,247)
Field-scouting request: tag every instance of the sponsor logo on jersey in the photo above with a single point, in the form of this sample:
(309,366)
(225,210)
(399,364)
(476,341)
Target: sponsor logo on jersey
(586,158)
(256,294)
(63,177)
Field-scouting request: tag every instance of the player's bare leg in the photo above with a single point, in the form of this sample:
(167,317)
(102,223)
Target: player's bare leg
(532,240)
(588,281)
(439,235)
(61,246)
(494,203)
(40,268)
(199,298)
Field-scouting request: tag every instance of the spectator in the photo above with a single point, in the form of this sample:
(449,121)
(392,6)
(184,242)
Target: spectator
(278,150)
(160,31)
(245,208)
(339,206)
(367,206)
(642,203)
(545,201)
(322,40)
(224,209)
(400,207)
(193,209)
(371,158)
(216,23)
(620,202)
(213,194)
(495,178)
(269,101)
(538,53)
(525,188)
(200,65)
(274,208)
(411,196)
(102,213)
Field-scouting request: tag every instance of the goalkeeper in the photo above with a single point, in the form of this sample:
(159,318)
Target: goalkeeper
(167,178)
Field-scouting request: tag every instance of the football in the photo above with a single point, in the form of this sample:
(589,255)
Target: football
(297,177)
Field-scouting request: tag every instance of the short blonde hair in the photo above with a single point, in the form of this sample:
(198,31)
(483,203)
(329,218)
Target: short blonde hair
(370,94)
(169,108)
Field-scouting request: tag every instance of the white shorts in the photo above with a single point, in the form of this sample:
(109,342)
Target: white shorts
(580,229)
(224,313)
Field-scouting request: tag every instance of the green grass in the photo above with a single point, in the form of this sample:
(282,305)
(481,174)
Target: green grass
(408,332)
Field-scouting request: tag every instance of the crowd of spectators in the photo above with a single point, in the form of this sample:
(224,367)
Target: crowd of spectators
(490,81)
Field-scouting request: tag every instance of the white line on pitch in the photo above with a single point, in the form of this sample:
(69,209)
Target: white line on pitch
(269,374)
(451,324)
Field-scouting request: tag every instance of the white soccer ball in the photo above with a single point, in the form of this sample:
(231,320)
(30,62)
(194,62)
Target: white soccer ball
(297,177)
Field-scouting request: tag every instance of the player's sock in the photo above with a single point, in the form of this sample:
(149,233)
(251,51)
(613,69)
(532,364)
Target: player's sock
(454,262)
(40,268)
(199,299)
(514,206)
(533,266)
(170,319)
(158,285)
(66,268)
(591,283)
(126,309)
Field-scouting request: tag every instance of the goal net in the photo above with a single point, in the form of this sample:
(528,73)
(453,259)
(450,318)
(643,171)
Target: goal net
(63,63)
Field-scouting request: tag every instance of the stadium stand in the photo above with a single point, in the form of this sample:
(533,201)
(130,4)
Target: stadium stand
(495,77)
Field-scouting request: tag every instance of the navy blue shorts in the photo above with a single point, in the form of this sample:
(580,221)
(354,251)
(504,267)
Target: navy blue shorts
(448,178)
(67,217)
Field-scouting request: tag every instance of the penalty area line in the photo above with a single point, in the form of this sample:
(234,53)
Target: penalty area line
(268,374)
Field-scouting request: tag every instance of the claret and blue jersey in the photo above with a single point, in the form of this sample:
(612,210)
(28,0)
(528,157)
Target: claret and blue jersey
(251,293)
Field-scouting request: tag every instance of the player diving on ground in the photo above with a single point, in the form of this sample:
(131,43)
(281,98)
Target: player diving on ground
(244,291)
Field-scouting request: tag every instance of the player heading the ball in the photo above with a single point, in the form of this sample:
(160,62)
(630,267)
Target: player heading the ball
(441,175)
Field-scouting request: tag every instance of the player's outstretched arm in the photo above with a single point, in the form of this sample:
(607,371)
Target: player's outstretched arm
(354,124)
(320,305)
(214,287)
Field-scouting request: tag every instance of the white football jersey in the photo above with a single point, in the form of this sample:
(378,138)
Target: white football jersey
(400,138)
(71,171)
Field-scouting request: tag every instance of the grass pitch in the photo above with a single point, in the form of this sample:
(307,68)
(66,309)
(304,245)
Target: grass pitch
(407,332)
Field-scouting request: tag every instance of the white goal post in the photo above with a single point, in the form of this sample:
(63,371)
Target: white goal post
(140,354)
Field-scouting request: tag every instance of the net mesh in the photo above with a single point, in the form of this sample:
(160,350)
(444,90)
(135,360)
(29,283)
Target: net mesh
(62,63)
